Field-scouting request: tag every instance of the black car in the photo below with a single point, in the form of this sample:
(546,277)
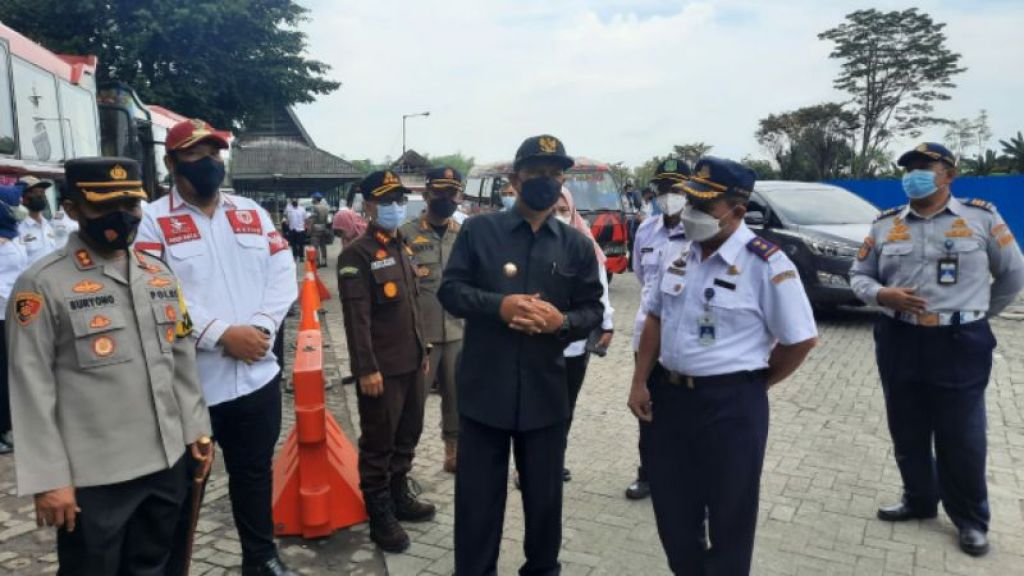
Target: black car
(820,227)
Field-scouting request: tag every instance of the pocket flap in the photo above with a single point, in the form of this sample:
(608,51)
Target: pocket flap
(166,312)
(898,249)
(96,321)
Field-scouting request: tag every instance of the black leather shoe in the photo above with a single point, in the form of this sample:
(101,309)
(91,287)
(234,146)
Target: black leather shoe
(902,512)
(272,567)
(638,490)
(973,542)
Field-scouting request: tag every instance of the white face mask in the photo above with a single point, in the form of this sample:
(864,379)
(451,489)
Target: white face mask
(563,219)
(699,226)
(671,203)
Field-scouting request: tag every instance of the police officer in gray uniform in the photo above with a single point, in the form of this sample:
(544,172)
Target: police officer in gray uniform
(940,267)
(727,318)
(104,390)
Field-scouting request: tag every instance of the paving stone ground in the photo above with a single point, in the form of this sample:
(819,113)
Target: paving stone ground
(828,467)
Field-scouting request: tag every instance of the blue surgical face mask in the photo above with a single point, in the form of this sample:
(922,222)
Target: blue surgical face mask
(507,202)
(919,184)
(390,216)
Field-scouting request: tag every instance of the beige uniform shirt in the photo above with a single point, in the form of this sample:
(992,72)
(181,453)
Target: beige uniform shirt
(430,256)
(103,376)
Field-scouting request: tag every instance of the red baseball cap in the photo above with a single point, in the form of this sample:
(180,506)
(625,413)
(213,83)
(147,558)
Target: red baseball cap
(188,133)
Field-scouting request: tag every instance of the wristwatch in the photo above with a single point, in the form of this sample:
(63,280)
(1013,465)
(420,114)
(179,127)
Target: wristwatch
(563,330)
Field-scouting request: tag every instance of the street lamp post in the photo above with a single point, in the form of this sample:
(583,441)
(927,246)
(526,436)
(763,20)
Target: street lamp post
(404,118)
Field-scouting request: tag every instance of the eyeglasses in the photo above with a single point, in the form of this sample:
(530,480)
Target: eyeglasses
(401,201)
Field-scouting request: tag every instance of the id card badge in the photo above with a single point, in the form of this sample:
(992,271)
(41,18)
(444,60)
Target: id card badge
(949,271)
(706,328)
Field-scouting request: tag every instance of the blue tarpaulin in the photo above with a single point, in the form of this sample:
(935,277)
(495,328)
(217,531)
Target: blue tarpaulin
(1006,192)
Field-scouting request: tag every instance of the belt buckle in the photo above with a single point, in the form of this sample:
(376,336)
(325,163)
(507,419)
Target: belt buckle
(929,319)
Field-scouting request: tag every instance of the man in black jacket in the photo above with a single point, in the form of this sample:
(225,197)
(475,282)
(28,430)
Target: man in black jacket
(527,285)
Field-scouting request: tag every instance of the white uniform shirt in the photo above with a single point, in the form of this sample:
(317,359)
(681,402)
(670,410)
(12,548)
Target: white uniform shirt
(578,347)
(765,304)
(235,269)
(651,239)
(37,237)
(62,226)
(13,261)
(296,217)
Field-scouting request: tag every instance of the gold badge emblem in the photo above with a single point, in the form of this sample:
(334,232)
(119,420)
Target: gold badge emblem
(87,287)
(449,174)
(423,271)
(169,334)
(84,260)
(169,312)
(99,321)
(510,270)
(381,254)
(118,172)
(159,282)
(103,346)
(922,148)
(704,172)
(733,271)
(548,145)
(390,179)
(390,289)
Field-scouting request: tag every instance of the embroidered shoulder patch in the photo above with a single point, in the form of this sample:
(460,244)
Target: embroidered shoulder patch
(348,272)
(979,203)
(27,306)
(890,212)
(762,248)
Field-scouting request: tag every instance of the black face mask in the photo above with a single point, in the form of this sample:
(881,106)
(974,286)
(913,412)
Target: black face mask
(35,203)
(113,231)
(205,175)
(540,193)
(442,207)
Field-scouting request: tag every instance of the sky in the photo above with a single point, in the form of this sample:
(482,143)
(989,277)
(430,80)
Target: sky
(615,80)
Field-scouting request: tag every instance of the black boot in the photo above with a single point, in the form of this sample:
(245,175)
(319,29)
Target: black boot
(407,507)
(385,530)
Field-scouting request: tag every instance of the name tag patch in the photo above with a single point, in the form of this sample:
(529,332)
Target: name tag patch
(245,221)
(382,263)
(178,229)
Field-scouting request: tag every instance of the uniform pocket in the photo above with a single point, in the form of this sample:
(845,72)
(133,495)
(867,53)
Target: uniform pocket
(387,283)
(558,287)
(99,337)
(166,316)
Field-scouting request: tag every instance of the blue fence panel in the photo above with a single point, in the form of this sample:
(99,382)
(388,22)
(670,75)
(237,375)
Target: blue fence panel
(1006,192)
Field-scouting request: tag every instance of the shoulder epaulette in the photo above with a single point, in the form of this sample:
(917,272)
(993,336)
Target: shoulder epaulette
(890,212)
(979,203)
(762,248)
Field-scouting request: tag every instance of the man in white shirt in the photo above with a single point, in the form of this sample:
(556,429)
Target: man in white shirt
(295,218)
(239,282)
(35,231)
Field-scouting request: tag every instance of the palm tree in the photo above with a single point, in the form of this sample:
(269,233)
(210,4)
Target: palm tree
(1014,149)
(984,165)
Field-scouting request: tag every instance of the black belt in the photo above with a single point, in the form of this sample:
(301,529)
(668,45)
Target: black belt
(691,382)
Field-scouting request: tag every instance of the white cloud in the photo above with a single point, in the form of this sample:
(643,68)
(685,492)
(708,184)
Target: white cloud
(615,80)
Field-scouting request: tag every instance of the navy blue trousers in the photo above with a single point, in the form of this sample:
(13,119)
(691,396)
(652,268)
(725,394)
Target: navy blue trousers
(934,382)
(706,452)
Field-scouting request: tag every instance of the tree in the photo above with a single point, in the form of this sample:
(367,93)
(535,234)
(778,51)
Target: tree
(966,133)
(1014,150)
(811,143)
(691,152)
(895,65)
(225,62)
(457,161)
(763,169)
(984,165)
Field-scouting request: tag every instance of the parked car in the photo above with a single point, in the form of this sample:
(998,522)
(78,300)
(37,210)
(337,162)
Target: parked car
(820,227)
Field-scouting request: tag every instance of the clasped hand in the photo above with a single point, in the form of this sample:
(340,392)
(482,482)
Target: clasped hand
(528,313)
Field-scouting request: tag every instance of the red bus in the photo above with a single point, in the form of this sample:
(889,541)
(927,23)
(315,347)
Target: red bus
(47,108)
(597,194)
